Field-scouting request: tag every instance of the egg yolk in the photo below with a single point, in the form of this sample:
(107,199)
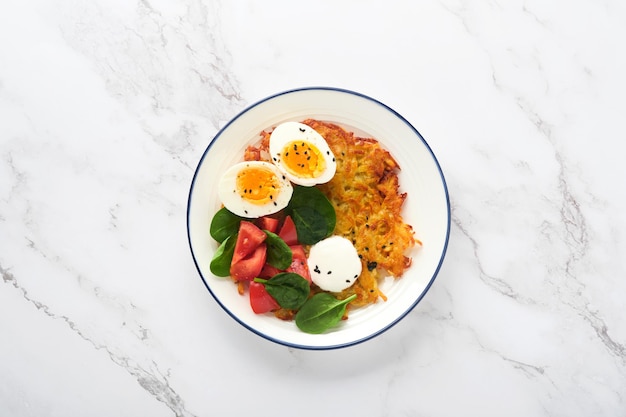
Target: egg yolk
(257,185)
(303,159)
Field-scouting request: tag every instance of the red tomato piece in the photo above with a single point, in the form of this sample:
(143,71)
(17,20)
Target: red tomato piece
(298,263)
(269,271)
(248,239)
(249,267)
(268,223)
(260,300)
(288,232)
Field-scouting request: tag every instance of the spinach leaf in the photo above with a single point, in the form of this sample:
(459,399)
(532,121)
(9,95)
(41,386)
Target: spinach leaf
(289,289)
(312,213)
(279,254)
(220,264)
(310,226)
(321,312)
(224,224)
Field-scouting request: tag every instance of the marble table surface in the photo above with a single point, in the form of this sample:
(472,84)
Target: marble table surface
(107,106)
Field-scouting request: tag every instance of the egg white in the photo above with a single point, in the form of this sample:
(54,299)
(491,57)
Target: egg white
(237,204)
(288,132)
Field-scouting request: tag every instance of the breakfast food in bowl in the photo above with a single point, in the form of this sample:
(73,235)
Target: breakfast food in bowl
(311,221)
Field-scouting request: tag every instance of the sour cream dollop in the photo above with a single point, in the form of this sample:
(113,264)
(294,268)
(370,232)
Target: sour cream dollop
(334,264)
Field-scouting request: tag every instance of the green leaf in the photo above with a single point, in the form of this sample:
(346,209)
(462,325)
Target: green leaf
(310,226)
(321,312)
(220,264)
(312,213)
(289,289)
(224,224)
(279,254)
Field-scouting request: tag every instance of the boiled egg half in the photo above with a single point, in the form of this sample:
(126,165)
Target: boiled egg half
(302,154)
(334,264)
(254,189)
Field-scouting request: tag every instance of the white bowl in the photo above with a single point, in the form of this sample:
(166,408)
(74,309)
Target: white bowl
(427,209)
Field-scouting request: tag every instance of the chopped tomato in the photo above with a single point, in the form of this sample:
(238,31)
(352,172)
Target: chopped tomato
(268,223)
(249,267)
(288,232)
(260,300)
(269,271)
(299,264)
(248,239)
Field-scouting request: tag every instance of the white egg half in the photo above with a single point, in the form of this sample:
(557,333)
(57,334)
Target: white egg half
(302,154)
(334,264)
(254,189)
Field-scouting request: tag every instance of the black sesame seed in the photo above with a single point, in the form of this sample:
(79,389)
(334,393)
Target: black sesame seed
(275,203)
(348,281)
(371,265)
(329,272)
(317,269)
(302,130)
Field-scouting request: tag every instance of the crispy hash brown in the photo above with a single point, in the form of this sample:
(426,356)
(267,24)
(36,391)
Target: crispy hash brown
(365,195)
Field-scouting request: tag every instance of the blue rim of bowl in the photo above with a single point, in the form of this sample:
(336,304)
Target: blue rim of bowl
(417,300)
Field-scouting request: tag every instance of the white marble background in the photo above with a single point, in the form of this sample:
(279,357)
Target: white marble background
(107,105)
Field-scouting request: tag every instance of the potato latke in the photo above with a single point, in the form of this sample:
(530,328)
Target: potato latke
(368,204)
